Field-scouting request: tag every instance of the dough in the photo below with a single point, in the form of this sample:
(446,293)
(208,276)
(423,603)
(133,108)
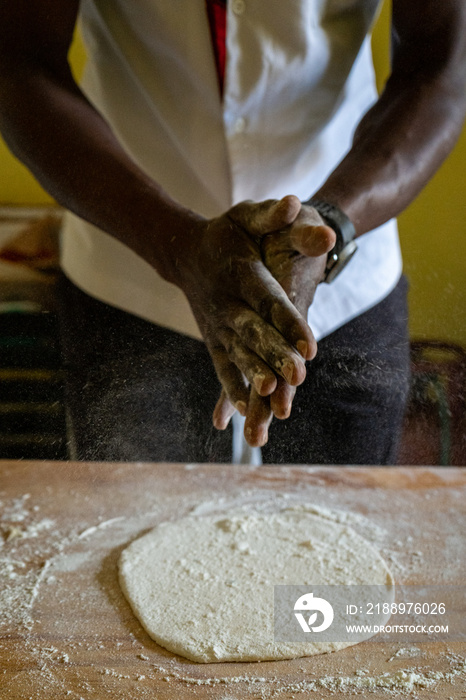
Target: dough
(203,587)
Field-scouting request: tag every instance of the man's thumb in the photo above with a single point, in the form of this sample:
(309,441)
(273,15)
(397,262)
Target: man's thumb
(312,240)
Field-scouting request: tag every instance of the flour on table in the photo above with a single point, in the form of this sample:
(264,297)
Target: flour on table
(203,587)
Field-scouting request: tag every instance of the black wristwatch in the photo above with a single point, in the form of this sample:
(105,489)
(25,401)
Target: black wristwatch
(345,247)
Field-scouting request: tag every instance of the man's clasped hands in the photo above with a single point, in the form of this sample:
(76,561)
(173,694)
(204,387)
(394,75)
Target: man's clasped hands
(250,279)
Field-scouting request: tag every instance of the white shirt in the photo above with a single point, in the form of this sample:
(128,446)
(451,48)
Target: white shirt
(298,79)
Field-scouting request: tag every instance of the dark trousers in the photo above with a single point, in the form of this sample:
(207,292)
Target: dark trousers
(139,392)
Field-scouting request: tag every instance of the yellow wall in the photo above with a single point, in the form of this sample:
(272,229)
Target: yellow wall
(433,233)
(432,229)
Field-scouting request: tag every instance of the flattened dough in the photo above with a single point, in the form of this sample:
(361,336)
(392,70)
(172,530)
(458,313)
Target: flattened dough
(203,587)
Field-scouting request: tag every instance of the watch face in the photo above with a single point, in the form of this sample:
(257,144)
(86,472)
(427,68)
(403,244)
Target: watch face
(336,263)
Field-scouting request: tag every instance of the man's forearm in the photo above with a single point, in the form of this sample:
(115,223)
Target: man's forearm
(401,141)
(48,123)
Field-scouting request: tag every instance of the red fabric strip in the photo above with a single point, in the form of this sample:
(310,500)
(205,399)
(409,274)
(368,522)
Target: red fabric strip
(217,13)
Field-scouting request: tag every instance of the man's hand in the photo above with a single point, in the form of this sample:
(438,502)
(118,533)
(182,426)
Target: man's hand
(296,255)
(255,335)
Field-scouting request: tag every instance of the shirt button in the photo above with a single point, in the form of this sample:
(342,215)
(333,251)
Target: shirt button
(240,125)
(238,6)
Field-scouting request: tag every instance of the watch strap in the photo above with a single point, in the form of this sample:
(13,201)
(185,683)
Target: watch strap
(345,247)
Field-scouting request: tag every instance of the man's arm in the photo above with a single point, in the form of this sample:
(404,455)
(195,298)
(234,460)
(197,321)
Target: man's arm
(404,138)
(397,148)
(250,326)
(51,127)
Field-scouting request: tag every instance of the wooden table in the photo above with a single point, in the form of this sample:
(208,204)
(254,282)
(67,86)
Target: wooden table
(66,630)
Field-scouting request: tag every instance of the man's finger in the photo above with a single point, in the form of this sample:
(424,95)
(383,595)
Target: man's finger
(264,340)
(258,418)
(223,411)
(233,384)
(268,298)
(266,217)
(256,371)
(281,400)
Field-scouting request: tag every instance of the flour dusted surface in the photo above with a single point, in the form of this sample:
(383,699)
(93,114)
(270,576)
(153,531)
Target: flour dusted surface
(203,587)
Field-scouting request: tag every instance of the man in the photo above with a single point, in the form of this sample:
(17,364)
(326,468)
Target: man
(156,162)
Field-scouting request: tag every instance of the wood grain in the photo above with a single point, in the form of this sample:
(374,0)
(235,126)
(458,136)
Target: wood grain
(66,630)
